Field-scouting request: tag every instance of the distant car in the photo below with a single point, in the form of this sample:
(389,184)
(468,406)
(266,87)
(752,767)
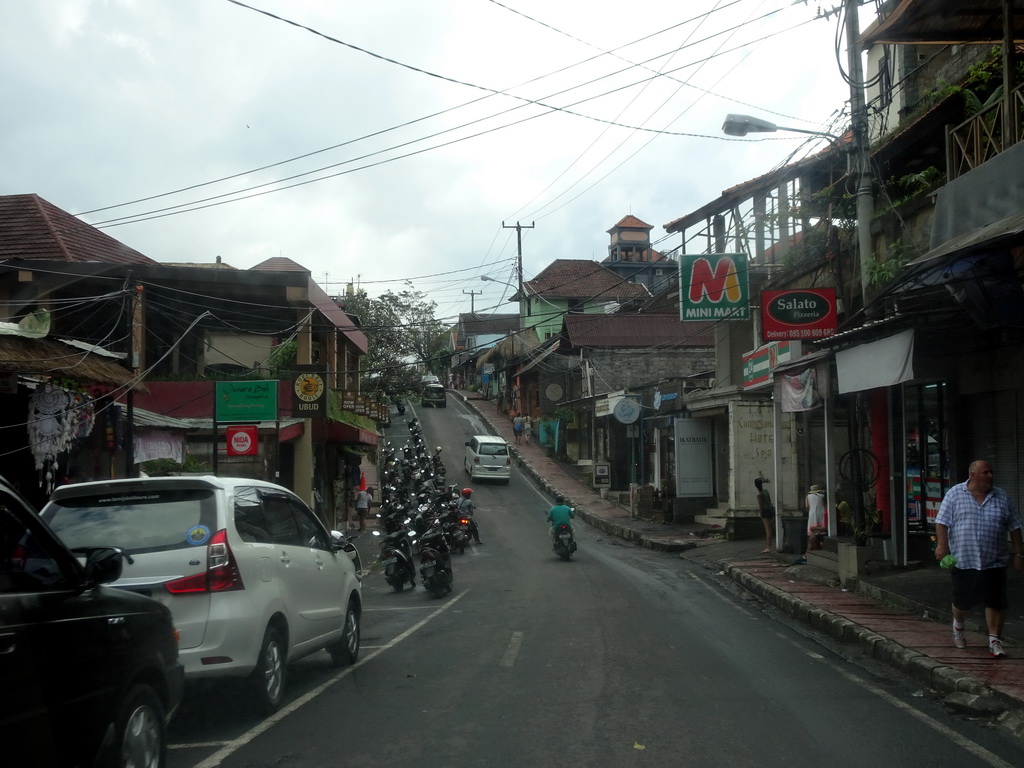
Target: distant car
(429,379)
(488,456)
(90,673)
(435,395)
(253,578)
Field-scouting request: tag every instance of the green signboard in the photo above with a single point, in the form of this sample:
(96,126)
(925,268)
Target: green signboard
(245,401)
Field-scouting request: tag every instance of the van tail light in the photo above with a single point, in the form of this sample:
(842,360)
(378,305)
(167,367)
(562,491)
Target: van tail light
(508,462)
(221,574)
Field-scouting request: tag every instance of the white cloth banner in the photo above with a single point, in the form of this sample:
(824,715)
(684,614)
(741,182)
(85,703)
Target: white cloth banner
(800,392)
(159,444)
(882,363)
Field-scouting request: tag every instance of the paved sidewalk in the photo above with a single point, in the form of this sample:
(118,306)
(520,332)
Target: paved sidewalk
(900,616)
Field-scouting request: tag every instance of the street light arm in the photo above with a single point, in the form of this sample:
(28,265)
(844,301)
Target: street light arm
(741,125)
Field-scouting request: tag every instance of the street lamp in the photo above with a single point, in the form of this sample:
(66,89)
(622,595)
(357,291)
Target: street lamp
(488,279)
(741,125)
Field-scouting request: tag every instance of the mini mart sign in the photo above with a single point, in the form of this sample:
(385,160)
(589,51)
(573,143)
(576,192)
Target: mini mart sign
(713,287)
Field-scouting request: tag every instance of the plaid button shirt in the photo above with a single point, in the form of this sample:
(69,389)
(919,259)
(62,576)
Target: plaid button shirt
(977,532)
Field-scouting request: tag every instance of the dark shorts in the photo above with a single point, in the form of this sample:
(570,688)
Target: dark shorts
(768,514)
(971,587)
(361,512)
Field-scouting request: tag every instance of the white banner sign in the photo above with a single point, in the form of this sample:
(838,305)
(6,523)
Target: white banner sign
(693,458)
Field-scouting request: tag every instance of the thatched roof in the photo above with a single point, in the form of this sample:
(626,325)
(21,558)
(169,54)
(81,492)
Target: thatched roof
(48,357)
(513,345)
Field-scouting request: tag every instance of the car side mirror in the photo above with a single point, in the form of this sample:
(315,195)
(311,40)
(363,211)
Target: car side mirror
(104,564)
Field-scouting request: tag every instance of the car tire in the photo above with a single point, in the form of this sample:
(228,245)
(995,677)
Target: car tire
(346,650)
(140,735)
(268,679)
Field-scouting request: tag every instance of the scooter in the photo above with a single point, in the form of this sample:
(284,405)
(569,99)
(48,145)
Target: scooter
(435,562)
(565,542)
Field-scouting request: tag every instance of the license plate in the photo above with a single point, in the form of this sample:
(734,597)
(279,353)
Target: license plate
(429,564)
(565,536)
(493,469)
(389,561)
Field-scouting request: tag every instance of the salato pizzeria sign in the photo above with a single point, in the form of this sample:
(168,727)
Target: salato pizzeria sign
(806,314)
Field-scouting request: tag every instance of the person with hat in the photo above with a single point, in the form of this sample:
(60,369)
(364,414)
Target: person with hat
(815,517)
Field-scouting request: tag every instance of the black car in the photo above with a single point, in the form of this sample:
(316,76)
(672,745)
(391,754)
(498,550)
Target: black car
(89,674)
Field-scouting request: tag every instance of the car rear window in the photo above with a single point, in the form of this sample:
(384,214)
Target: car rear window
(138,521)
(493,449)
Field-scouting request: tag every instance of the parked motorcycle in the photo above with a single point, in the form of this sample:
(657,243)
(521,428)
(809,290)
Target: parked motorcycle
(565,542)
(396,558)
(435,562)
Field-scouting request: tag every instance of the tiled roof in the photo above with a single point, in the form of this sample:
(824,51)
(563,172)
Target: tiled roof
(32,228)
(280,264)
(631,222)
(637,331)
(582,279)
(483,324)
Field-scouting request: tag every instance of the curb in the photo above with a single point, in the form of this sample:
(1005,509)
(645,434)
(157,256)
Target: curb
(963,691)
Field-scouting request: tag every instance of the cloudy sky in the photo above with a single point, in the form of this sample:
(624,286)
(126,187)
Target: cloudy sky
(389,141)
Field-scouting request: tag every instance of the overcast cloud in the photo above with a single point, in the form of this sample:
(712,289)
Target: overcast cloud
(112,101)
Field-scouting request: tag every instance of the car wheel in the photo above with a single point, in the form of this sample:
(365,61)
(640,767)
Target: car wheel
(268,679)
(140,739)
(346,650)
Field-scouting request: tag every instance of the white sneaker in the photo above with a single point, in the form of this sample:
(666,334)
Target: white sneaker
(995,648)
(959,638)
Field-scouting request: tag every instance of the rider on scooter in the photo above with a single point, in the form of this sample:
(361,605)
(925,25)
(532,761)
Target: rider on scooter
(467,507)
(558,514)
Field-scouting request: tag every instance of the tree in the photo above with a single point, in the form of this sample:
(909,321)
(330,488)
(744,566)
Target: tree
(404,339)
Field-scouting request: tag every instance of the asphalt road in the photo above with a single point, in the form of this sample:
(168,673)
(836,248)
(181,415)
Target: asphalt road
(621,657)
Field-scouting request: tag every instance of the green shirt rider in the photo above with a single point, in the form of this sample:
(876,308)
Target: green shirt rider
(559,514)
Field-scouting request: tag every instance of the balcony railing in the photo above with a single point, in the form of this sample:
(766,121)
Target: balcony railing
(983,136)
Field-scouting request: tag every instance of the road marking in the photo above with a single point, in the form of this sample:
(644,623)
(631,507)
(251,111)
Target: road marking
(513,650)
(403,608)
(235,744)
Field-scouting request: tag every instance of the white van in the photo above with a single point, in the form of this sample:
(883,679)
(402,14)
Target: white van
(488,457)
(253,578)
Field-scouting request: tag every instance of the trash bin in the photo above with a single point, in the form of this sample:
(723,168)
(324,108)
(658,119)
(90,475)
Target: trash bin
(794,535)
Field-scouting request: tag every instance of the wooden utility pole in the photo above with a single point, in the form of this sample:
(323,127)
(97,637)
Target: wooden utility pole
(472,303)
(519,251)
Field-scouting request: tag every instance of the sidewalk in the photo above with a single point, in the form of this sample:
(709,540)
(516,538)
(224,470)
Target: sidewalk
(901,616)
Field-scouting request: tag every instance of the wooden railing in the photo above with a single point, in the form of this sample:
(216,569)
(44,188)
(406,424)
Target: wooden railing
(983,136)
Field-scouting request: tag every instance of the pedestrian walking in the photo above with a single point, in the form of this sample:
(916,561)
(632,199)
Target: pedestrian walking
(527,428)
(517,428)
(363,499)
(971,528)
(767,509)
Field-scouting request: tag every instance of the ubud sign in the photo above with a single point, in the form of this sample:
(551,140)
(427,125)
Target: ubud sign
(798,315)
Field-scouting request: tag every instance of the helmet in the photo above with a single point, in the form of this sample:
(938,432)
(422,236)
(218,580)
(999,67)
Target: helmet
(467,492)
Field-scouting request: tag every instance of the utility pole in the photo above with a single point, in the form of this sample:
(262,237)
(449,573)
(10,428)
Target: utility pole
(861,152)
(472,302)
(519,251)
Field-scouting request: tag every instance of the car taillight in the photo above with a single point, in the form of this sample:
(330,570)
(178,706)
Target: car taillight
(464,521)
(508,462)
(221,574)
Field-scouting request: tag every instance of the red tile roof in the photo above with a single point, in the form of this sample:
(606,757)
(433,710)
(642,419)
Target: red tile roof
(582,279)
(632,222)
(640,331)
(280,264)
(32,228)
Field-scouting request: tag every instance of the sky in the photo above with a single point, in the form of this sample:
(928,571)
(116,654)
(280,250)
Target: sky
(395,144)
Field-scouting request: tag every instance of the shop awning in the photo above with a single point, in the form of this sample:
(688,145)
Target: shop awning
(882,363)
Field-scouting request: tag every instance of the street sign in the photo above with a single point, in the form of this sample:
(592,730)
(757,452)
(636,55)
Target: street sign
(245,401)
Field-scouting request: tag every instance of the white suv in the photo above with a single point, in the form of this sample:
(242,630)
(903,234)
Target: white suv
(252,577)
(488,456)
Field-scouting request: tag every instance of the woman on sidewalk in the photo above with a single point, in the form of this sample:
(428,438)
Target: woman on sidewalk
(767,509)
(527,428)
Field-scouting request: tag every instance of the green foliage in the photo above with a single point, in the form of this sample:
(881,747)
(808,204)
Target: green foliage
(880,272)
(404,339)
(166,467)
(283,356)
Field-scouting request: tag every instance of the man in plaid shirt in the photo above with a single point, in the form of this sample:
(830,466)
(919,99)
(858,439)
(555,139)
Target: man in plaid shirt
(972,525)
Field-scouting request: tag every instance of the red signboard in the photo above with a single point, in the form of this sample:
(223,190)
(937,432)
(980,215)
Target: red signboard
(806,314)
(243,441)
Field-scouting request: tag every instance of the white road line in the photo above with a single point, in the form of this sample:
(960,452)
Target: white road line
(234,745)
(513,650)
(403,608)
